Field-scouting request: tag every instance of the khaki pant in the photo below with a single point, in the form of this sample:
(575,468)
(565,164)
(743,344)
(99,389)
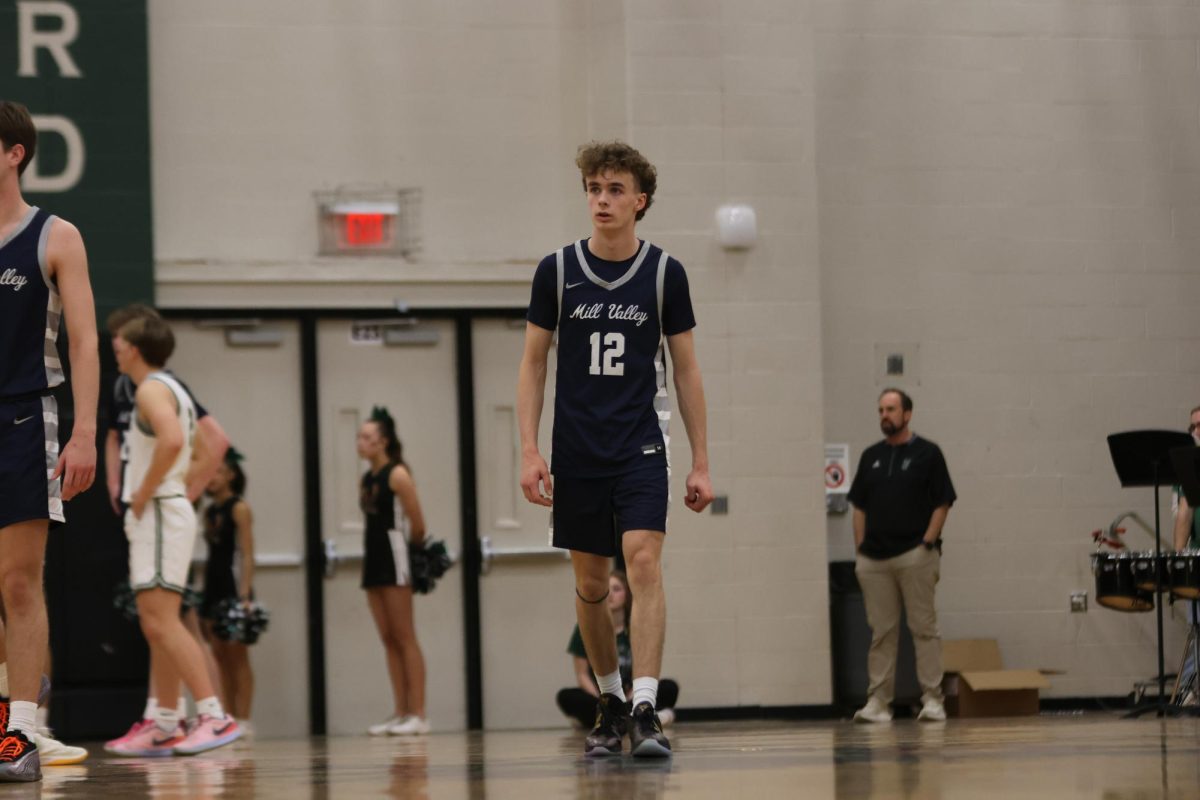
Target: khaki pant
(910,579)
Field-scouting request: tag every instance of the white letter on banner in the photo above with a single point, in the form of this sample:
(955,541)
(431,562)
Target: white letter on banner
(34,181)
(29,38)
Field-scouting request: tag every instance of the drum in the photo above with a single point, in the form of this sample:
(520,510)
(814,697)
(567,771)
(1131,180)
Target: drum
(1183,573)
(1115,587)
(1145,574)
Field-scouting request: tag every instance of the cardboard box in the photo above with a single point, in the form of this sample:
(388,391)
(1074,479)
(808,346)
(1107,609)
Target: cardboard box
(977,685)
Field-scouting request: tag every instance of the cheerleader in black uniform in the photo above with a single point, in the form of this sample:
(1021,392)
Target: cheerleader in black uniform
(393,520)
(229,531)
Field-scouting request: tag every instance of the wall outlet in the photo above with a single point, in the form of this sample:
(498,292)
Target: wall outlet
(1078,602)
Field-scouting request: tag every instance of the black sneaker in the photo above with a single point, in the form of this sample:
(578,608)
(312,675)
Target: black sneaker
(19,759)
(606,735)
(646,739)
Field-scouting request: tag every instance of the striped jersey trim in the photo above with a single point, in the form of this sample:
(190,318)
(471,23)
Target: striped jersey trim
(54,369)
(53,485)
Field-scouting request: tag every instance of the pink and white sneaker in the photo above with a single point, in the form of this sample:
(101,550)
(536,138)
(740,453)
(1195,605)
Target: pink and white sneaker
(209,734)
(149,742)
(134,729)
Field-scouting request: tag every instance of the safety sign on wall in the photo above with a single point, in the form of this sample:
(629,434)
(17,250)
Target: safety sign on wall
(837,469)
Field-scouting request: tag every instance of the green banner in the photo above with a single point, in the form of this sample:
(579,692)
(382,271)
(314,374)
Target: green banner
(81,67)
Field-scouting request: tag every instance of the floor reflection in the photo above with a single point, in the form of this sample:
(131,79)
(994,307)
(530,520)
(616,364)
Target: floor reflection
(1098,757)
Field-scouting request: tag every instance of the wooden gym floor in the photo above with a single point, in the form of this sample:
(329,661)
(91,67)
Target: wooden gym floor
(1069,756)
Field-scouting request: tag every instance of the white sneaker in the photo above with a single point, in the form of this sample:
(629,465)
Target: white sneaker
(666,717)
(932,711)
(54,753)
(382,728)
(412,725)
(874,711)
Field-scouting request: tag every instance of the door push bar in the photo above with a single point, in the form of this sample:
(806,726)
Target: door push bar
(488,553)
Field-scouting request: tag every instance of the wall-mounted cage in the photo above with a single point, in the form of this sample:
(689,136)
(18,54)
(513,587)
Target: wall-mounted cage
(370,221)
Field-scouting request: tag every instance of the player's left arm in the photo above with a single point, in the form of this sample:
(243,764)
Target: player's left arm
(401,482)
(208,452)
(689,388)
(66,259)
(156,406)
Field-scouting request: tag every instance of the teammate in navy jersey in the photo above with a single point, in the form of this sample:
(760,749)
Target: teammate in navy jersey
(43,277)
(613,299)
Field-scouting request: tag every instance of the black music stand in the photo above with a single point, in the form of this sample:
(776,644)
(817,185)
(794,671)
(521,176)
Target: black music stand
(1186,461)
(1143,458)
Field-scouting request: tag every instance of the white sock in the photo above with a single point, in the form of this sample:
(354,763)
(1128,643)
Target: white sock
(210,706)
(151,708)
(645,690)
(181,708)
(22,716)
(166,719)
(611,684)
(4,679)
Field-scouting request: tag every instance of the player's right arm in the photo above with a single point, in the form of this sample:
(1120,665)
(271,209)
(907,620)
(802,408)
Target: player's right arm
(531,393)
(156,405)
(112,468)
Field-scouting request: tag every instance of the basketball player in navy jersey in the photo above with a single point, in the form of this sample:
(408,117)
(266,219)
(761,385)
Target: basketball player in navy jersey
(612,299)
(43,277)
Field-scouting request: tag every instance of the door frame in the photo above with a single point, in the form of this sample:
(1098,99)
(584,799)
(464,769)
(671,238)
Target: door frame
(314,551)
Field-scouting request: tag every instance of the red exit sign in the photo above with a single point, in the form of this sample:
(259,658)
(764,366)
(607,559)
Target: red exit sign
(365,230)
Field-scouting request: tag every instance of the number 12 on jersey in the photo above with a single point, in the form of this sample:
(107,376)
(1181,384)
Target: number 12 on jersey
(614,348)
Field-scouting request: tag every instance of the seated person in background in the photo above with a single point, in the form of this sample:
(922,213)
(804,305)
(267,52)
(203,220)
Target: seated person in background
(579,703)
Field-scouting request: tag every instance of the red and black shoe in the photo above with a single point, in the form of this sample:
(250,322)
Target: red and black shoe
(19,759)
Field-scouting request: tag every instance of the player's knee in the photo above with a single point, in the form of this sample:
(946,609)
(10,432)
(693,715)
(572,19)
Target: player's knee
(644,569)
(591,589)
(154,626)
(21,591)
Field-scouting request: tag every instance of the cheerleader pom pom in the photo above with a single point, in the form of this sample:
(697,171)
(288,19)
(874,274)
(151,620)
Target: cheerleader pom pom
(429,561)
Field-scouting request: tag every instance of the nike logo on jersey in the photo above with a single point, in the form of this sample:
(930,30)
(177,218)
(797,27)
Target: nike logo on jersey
(596,311)
(573,285)
(10,277)
(23,419)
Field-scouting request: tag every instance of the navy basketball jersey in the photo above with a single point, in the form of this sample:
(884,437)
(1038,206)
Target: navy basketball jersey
(30,310)
(611,409)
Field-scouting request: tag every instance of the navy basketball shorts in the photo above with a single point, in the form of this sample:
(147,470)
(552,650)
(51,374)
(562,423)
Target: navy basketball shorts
(591,514)
(28,456)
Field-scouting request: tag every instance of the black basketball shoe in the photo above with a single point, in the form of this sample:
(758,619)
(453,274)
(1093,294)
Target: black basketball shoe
(646,738)
(19,759)
(605,738)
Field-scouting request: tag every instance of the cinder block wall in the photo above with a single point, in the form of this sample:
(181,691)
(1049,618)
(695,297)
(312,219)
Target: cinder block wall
(721,96)
(1011,191)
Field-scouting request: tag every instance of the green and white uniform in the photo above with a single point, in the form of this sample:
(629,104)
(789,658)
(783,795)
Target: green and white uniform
(161,542)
